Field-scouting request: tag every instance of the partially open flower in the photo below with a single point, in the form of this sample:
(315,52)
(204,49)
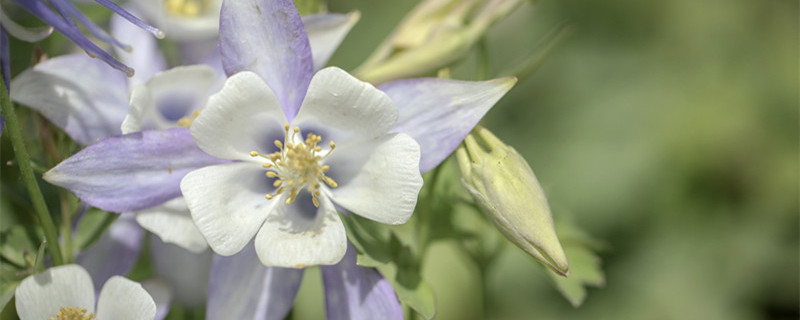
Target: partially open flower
(66,293)
(506,190)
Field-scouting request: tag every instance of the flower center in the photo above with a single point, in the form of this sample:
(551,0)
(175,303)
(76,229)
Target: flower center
(296,165)
(186,8)
(73,313)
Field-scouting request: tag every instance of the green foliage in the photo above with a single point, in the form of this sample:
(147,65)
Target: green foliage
(585,264)
(379,247)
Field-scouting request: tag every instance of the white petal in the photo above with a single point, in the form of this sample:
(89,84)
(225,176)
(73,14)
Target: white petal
(169,96)
(42,295)
(386,186)
(123,299)
(298,235)
(345,109)
(326,32)
(186,272)
(141,107)
(89,105)
(161,294)
(173,223)
(244,116)
(227,203)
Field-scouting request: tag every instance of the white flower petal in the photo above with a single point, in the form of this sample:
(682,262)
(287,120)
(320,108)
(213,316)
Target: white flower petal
(244,116)
(345,109)
(162,295)
(186,272)
(89,105)
(227,203)
(123,299)
(298,235)
(386,186)
(172,222)
(169,96)
(41,296)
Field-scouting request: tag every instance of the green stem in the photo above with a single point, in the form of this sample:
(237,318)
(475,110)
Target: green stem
(21,154)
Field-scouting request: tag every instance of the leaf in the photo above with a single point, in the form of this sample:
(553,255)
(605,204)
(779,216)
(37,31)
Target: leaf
(585,265)
(7,289)
(15,242)
(9,311)
(380,248)
(411,289)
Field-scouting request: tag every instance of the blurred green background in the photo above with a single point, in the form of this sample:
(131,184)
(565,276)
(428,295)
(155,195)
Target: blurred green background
(668,129)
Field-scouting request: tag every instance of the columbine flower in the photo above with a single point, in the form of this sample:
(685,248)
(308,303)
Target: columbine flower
(66,292)
(285,194)
(61,15)
(437,113)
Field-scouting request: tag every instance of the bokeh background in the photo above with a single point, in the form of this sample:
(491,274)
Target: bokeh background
(666,129)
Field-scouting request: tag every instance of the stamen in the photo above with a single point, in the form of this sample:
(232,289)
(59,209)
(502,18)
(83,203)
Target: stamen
(296,165)
(185,122)
(186,8)
(73,313)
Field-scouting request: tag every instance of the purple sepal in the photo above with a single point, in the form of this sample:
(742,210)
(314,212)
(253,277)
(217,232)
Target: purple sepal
(439,113)
(115,253)
(131,172)
(354,292)
(242,288)
(268,38)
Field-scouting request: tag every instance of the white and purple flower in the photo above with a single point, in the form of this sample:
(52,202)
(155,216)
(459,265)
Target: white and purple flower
(66,292)
(142,170)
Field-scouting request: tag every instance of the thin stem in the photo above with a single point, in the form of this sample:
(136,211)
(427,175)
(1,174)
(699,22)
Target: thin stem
(54,157)
(23,159)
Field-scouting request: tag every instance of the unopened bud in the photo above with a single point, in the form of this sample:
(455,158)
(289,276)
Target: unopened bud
(433,35)
(506,190)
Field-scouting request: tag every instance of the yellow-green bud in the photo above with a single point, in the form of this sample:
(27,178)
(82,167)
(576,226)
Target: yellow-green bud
(434,34)
(506,190)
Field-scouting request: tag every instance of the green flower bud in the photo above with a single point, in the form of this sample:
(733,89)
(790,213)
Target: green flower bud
(433,35)
(506,190)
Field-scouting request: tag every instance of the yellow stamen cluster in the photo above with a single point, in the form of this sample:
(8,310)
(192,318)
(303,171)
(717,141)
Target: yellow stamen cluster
(186,8)
(73,313)
(185,122)
(297,166)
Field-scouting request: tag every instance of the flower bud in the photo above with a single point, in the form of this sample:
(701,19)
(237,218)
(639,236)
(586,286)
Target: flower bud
(506,190)
(435,34)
